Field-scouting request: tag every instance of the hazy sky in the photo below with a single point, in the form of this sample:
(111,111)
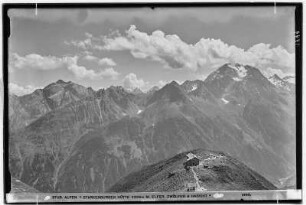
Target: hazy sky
(144,47)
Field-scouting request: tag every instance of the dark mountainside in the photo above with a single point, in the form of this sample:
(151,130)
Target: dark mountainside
(27,108)
(19,187)
(215,172)
(87,141)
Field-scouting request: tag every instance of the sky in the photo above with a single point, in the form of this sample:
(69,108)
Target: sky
(144,47)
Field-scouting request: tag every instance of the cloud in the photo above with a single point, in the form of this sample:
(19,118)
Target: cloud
(20,90)
(89,43)
(268,72)
(131,82)
(85,44)
(35,61)
(79,71)
(38,62)
(101,62)
(90,58)
(174,53)
(83,72)
(161,83)
(107,61)
(110,72)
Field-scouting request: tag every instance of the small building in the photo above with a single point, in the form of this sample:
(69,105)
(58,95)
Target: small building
(190,156)
(191,187)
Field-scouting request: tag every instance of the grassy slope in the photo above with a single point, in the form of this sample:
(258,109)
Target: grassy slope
(224,173)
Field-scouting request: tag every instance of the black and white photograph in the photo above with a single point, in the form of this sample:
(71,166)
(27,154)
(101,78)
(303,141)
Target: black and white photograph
(191,102)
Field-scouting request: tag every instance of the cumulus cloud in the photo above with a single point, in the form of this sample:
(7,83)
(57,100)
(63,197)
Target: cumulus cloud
(83,72)
(101,62)
(268,72)
(90,58)
(38,62)
(20,90)
(110,72)
(174,53)
(107,61)
(131,82)
(85,44)
(79,71)
(161,83)
(89,43)
(35,61)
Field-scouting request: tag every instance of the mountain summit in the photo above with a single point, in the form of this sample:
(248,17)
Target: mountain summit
(170,92)
(211,171)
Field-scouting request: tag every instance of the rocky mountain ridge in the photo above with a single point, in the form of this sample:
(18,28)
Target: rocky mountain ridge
(87,141)
(214,172)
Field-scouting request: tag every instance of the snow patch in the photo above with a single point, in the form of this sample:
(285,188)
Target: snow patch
(242,72)
(240,69)
(194,87)
(225,101)
(237,79)
(278,83)
(232,66)
(275,82)
(139,111)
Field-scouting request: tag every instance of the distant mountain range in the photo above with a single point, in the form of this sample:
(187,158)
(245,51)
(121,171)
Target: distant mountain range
(69,138)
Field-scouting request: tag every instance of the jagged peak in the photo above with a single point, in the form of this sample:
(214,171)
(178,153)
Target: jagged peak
(173,83)
(275,76)
(60,81)
(116,87)
(171,91)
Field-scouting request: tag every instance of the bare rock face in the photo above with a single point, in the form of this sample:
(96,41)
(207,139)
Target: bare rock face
(25,109)
(80,140)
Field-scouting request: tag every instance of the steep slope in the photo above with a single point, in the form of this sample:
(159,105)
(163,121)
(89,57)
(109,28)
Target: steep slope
(216,171)
(37,151)
(189,86)
(281,83)
(172,122)
(18,116)
(239,83)
(18,187)
(169,93)
(25,109)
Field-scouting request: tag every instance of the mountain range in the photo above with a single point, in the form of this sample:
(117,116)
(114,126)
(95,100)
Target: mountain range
(69,138)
